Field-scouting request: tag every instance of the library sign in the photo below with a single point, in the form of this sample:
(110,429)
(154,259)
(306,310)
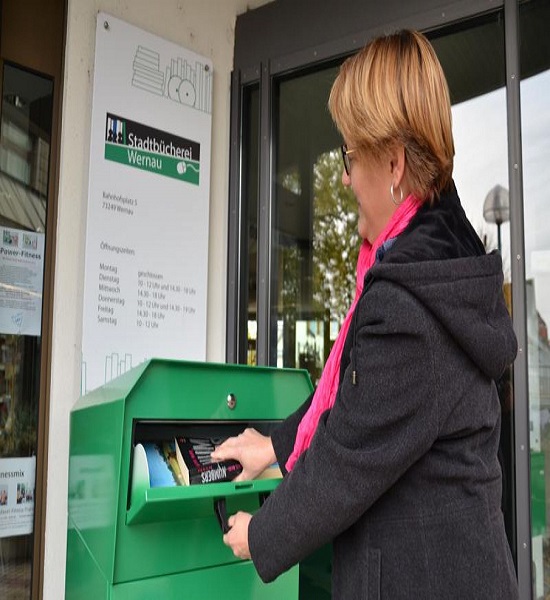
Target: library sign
(148,203)
(136,145)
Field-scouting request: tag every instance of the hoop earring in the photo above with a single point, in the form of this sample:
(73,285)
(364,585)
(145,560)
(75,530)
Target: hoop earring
(393,197)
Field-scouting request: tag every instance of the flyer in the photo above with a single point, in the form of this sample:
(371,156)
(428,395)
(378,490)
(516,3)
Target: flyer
(17,484)
(22,276)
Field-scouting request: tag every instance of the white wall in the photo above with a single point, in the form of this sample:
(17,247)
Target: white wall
(206,27)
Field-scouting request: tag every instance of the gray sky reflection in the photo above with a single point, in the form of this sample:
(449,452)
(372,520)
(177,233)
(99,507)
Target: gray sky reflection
(481,162)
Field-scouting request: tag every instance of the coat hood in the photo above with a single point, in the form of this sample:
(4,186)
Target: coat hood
(440,259)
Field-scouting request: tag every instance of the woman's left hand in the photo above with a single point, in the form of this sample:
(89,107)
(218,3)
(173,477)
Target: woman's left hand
(237,537)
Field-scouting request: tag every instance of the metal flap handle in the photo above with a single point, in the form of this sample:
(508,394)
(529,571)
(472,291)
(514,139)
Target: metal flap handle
(221,514)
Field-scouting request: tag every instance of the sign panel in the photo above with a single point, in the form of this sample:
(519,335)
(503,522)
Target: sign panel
(21,276)
(17,477)
(148,203)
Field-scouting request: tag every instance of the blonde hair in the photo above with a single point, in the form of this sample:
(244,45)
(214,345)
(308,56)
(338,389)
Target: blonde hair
(392,92)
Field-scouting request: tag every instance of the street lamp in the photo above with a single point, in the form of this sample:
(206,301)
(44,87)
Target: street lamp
(496,209)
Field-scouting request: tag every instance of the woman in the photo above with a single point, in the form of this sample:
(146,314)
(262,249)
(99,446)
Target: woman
(394,458)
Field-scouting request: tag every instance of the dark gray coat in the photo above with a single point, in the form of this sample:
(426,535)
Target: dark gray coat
(402,473)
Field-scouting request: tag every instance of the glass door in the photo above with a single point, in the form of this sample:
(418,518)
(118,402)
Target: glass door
(25,136)
(314,228)
(535,122)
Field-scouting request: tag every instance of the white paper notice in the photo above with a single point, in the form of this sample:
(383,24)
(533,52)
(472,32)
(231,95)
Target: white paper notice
(17,481)
(148,204)
(21,277)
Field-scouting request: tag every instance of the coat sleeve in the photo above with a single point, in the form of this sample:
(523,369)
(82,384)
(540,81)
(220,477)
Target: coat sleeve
(375,431)
(284,436)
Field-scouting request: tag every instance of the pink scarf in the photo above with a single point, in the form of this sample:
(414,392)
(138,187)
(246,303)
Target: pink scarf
(325,394)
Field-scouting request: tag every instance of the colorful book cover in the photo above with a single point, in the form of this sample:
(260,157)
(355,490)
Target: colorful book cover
(161,473)
(196,466)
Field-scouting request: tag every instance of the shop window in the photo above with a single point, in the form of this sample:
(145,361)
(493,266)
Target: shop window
(25,129)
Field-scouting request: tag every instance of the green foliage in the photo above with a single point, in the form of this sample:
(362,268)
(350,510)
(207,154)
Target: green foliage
(19,439)
(317,281)
(336,241)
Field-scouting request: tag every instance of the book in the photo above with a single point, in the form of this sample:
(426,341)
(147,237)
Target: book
(272,472)
(196,465)
(162,465)
(169,450)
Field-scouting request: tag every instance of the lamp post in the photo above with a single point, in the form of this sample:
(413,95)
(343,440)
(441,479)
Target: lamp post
(496,209)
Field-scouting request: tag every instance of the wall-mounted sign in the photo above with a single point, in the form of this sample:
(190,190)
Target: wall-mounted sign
(148,203)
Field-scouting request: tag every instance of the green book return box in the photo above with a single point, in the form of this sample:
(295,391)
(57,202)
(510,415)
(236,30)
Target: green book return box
(129,541)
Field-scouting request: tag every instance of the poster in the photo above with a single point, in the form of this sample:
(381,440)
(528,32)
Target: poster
(148,203)
(22,275)
(17,481)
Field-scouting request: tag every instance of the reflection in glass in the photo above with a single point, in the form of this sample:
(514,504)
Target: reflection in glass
(535,91)
(335,247)
(315,230)
(25,130)
(251,116)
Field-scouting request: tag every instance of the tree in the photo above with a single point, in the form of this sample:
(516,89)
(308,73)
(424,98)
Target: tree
(336,241)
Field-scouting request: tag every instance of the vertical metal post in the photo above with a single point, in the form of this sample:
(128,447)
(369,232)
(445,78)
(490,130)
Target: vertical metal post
(235,237)
(265,211)
(521,388)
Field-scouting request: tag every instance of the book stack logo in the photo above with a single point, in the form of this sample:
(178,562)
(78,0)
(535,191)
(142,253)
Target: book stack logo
(142,147)
(183,81)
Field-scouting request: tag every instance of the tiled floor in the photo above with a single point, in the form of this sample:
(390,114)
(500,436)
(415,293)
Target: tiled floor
(15,580)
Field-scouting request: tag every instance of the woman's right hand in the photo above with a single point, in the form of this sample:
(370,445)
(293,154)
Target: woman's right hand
(252,449)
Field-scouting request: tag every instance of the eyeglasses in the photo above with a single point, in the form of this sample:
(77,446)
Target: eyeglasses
(345,158)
